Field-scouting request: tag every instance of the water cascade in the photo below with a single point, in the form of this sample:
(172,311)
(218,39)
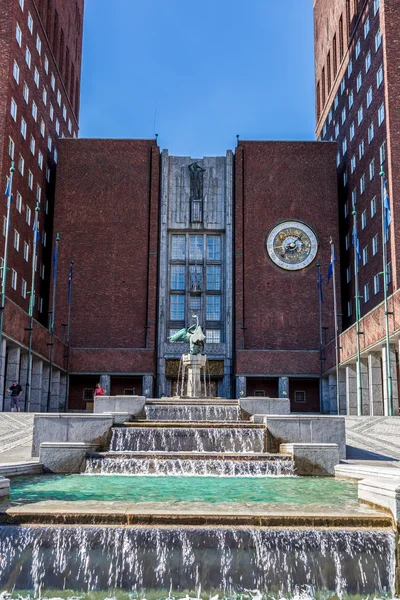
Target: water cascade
(182,412)
(276,562)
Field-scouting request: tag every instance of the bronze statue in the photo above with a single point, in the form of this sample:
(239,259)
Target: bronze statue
(194,335)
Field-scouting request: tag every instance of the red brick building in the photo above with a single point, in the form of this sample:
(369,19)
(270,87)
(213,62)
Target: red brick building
(40,66)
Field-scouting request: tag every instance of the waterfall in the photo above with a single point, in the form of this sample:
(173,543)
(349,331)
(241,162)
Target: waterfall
(184,439)
(184,412)
(189,467)
(276,562)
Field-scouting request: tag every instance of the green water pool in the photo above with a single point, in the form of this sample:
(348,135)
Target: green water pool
(285,490)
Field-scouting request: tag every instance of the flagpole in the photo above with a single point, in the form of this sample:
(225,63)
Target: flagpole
(357,298)
(385,229)
(5,255)
(320,334)
(69,331)
(31,307)
(336,324)
(52,317)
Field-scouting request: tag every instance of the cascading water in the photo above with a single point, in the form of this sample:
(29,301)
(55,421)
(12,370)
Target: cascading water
(276,562)
(184,412)
(184,439)
(189,467)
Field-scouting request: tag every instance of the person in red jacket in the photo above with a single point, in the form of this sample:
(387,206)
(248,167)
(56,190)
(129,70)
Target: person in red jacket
(99,391)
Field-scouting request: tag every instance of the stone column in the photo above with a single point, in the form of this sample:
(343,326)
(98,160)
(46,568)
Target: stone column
(3,350)
(365,402)
(394,382)
(325,396)
(12,373)
(45,386)
(342,392)
(375,384)
(105,381)
(283,387)
(240,387)
(351,389)
(35,403)
(63,390)
(23,378)
(55,391)
(147,386)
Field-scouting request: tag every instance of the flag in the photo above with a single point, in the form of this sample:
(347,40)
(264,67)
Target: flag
(8,187)
(320,285)
(356,244)
(331,264)
(69,283)
(386,205)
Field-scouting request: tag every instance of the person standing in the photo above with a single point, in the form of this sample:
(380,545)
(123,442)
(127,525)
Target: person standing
(16,392)
(99,391)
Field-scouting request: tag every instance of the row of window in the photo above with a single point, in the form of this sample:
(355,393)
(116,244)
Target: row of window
(367,291)
(198,247)
(213,277)
(177,307)
(365,252)
(24,285)
(26,245)
(371,130)
(24,133)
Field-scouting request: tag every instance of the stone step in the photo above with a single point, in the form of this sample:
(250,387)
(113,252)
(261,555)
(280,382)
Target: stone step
(193,402)
(21,468)
(256,456)
(194,424)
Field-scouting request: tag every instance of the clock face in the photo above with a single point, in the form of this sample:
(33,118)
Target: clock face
(292,245)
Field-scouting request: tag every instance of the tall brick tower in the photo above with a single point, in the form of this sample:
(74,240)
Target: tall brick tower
(358,105)
(40,66)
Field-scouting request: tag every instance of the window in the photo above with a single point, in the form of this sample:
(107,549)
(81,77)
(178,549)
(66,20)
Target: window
(70,125)
(337,127)
(364,219)
(353,163)
(369,97)
(21,3)
(38,44)
(48,174)
(28,57)
(368,62)
(376,6)
(26,251)
(349,70)
(46,64)
(373,207)
(352,131)
(51,111)
(42,128)
(44,96)
(371,132)
(42,271)
(4,232)
(23,288)
(25,93)
(88,395)
(40,159)
(346,210)
(23,128)
(57,127)
(195,303)
(366,292)
(372,169)
(351,99)
(38,198)
(359,81)
(365,255)
(360,115)
(16,240)
(49,143)
(58,97)
(336,102)
(213,308)
(18,35)
(16,71)
(36,77)
(379,77)
(40,303)
(213,336)
(195,247)
(30,180)
(358,48)
(213,247)
(348,274)
(18,203)
(362,184)
(21,164)
(34,110)
(338,159)
(30,22)
(195,277)
(389,273)
(28,214)
(354,197)
(343,115)
(177,307)
(178,277)
(376,284)
(378,40)
(213,277)
(11,148)
(345,178)
(64,112)
(344,146)
(382,153)
(13,109)
(381,114)
(324,130)
(14,279)
(299,397)
(361,149)
(375,241)
(366,27)
(32,145)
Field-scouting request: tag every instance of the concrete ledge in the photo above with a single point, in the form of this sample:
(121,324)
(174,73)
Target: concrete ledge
(55,427)
(313,459)
(119,418)
(133,405)
(305,430)
(265,406)
(382,492)
(360,471)
(65,457)
(20,468)
(4,487)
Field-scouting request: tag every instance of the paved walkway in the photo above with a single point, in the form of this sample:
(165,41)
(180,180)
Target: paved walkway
(373,438)
(16,432)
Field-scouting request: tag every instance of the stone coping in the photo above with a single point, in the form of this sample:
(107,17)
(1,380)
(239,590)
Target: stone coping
(360,471)
(381,492)
(194,425)
(72,445)
(309,446)
(181,514)
(81,415)
(21,468)
(192,402)
(265,456)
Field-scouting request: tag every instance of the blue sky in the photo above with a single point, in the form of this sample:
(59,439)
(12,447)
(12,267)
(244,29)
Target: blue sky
(198,73)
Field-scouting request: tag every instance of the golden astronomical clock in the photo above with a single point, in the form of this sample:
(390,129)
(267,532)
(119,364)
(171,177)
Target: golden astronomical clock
(292,245)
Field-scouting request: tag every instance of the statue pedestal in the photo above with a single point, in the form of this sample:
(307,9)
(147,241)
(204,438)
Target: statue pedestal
(192,365)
